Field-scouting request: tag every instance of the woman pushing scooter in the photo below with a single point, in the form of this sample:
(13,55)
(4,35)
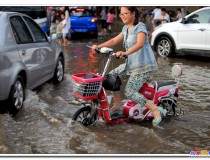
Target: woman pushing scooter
(139,65)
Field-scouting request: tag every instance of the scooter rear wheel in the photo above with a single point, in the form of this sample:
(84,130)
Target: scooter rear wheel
(83,116)
(169,106)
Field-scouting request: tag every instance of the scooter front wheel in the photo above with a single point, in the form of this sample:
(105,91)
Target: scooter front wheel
(83,115)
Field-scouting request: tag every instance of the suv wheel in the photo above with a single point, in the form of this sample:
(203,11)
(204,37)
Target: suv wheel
(59,71)
(17,96)
(165,47)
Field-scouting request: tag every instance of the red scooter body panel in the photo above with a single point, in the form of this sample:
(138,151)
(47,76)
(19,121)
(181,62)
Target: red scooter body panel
(147,91)
(131,108)
(105,112)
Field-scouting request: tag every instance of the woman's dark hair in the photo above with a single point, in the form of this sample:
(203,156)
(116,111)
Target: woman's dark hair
(133,9)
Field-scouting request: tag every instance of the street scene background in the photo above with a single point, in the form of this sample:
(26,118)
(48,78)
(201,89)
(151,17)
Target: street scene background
(44,126)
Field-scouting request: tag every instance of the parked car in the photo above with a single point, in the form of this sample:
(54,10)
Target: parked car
(83,22)
(189,35)
(27,58)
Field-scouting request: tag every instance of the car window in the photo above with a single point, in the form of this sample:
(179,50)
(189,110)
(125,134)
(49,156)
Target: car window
(36,30)
(20,30)
(200,17)
(81,12)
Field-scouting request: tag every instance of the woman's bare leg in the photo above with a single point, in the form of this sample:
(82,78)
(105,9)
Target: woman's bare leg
(117,102)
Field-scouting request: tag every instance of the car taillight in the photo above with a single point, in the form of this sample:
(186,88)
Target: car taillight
(93,20)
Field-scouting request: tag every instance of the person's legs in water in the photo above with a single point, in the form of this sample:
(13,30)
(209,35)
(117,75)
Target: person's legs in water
(65,41)
(119,71)
(134,83)
(103,27)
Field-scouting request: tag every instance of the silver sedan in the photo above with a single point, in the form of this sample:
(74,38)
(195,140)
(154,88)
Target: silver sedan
(28,58)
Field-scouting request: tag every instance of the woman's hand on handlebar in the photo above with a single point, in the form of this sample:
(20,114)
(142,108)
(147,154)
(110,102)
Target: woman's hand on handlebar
(121,54)
(94,47)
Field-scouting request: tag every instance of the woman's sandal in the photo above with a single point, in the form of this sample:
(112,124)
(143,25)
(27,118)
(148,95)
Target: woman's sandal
(156,121)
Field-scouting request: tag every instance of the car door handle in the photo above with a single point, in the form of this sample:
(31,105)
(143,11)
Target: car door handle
(23,52)
(202,29)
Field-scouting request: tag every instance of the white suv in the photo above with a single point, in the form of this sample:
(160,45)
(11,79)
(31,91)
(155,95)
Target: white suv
(190,35)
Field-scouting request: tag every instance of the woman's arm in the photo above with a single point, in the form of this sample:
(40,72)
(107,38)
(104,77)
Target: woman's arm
(141,36)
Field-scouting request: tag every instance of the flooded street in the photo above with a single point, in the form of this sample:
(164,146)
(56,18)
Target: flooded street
(44,125)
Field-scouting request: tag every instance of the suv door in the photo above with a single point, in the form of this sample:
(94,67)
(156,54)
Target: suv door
(193,34)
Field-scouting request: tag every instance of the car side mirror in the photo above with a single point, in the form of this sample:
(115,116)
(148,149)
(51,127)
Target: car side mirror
(184,20)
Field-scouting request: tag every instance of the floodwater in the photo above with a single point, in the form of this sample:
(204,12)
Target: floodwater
(44,125)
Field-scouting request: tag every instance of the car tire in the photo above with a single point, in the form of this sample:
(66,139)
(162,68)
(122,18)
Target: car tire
(59,71)
(16,96)
(165,47)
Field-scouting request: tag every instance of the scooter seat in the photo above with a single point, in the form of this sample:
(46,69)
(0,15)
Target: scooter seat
(165,85)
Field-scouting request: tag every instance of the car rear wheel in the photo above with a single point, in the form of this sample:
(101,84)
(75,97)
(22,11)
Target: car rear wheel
(17,96)
(165,47)
(59,71)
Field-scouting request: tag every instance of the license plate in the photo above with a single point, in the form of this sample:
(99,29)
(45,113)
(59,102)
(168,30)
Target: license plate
(81,30)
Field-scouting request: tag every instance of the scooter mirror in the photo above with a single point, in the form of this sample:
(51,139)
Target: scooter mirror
(176,70)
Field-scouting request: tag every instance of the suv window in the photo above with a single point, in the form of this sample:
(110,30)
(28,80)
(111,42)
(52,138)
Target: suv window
(36,30)
(21,32)
(200,17)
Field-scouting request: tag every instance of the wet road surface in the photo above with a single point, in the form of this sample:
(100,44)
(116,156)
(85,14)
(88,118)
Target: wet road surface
(44,125)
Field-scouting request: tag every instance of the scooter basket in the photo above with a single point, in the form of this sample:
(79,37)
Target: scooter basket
(87,86)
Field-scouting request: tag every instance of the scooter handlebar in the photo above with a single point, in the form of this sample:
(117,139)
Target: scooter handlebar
(95,49)
(125,57)
(112,53)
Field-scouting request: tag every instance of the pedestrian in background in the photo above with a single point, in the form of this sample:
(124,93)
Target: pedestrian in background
(65,9)
(109,21)
(59,34)
(183,12)
(65,28)
(178,16)
(103,21)
(165,16)
(48,23)
(156,15)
